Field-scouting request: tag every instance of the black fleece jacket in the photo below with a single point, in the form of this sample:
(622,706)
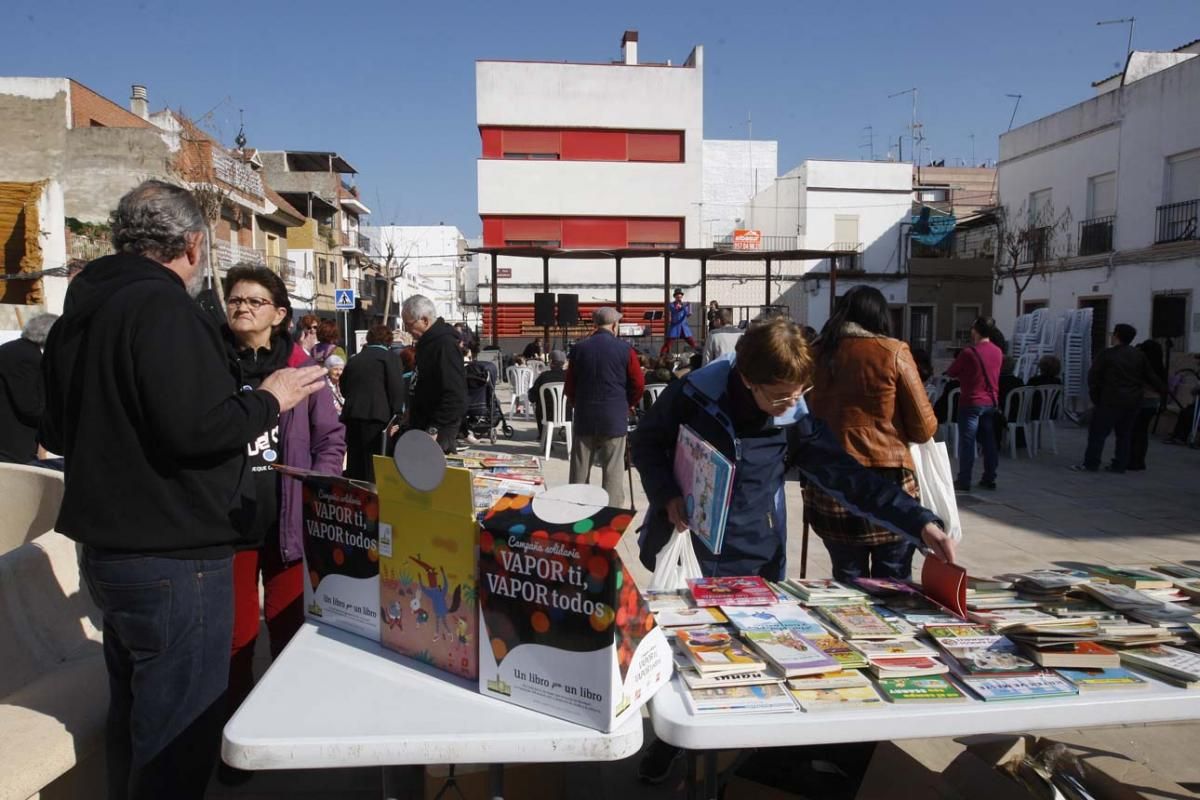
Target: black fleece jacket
(142,400)
(439,388)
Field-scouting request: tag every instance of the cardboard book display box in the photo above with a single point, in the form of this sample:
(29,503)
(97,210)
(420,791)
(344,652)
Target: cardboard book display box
(563,629)
(341,551)
(428,540)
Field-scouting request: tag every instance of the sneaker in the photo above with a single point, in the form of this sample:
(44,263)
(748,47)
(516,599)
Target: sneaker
(657,761)
(472,438)
(1082,468)
(987,484)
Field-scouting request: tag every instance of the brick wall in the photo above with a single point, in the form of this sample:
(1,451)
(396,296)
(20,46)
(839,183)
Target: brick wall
(89,109)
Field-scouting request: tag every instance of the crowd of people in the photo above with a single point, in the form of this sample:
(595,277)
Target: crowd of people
(147,400)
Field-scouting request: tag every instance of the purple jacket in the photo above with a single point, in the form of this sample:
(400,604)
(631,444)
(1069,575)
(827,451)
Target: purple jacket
(312,438)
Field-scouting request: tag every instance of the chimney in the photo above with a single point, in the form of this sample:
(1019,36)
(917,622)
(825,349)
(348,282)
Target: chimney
(138,103)
(629,47)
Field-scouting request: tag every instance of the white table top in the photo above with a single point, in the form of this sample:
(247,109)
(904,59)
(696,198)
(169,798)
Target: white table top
(333,699)
(673,723)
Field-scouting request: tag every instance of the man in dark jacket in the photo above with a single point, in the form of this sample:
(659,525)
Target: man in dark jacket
(438,394)
(603,382)
(142,402)
(21,396)
(373,387)
(1115,384)
(555,374)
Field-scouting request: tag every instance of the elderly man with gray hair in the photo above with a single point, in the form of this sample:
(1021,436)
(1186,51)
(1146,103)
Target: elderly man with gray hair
(21,397)
(604,380)
(153,426)
(438,392)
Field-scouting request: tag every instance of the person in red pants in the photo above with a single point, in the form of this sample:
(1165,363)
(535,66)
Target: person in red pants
(258,315)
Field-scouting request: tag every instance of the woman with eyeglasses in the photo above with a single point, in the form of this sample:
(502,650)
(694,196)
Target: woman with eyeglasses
(309,437)
(306,332)
(868,389)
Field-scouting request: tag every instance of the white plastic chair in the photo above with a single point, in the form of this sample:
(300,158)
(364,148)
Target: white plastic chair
(552,397)
(948,430)
(653,390)
(521,381)
(537,365)
(1019,402)
(1050,399)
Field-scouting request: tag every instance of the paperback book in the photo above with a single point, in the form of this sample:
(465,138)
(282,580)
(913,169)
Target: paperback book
(929,689)
(731,591)
(1074,654)
(750,677)
(861,622)
(908,667)
(789,652)
(705,476)
(838,699)
(1021,687)
(773,617)
(841,679)
(1090,680)
(761,698)
(1166,660)
(1129,576)
(823,591)
(840,651)
(678,617)
(715,649)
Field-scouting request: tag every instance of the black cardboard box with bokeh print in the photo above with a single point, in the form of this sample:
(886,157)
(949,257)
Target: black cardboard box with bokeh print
(563,628)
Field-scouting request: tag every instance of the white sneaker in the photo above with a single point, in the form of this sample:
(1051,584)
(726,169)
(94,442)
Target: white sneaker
(471,438)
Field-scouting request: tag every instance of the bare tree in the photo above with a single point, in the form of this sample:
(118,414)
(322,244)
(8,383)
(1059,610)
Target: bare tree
(393,270)
(1028,243)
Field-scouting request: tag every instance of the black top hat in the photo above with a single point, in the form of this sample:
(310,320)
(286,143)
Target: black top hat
(678,292)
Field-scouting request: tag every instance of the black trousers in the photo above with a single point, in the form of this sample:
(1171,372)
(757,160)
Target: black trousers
(1140,440)
(1106,420)
(363,442)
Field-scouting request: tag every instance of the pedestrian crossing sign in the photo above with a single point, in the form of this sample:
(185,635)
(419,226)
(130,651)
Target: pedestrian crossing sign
(343,299)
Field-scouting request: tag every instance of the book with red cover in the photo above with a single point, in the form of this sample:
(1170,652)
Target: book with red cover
(945,584)
(1075,654)
(749,590)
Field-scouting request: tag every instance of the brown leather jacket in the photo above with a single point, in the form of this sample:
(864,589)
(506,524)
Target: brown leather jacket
(873,399)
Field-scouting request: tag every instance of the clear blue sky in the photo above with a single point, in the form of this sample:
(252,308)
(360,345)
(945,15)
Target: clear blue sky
(390,85)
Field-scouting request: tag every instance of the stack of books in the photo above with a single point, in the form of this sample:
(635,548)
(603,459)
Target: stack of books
(900,658)
(1168,664)
(823,592)
(731,591)
(863,622)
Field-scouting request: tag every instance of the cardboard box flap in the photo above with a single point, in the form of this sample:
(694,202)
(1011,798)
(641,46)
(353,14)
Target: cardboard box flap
(417,472)
(576,512)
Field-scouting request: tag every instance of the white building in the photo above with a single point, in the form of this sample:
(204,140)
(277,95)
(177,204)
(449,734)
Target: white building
(1126,164)
(835,205)
(735,170)
(425,259)
(588,156)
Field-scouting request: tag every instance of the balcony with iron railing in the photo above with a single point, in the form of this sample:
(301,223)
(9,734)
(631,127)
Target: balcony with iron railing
(283,267)
(1096,235)
(1035,245)
(364,243)
(1176,222)
(846,247)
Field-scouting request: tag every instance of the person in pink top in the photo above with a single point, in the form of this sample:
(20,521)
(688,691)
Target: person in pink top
(977,369)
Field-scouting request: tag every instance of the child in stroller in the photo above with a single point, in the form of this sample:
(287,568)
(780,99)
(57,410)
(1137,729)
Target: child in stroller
(483,409)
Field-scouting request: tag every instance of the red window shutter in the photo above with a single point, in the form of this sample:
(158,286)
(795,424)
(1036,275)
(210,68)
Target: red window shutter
(493,232)
(665,146)
(593,145)
(586,233)
(535,142)
(532,229)
(491,139)
(655,231)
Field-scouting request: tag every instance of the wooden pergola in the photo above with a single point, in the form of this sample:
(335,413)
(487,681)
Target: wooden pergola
(704,255)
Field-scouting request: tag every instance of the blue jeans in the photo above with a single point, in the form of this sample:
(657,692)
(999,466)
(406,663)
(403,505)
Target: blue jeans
(168,628)
(975,423)
(850,561)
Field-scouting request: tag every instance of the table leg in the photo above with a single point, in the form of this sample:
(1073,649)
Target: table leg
(402,783)
(496,781)
(711,782)
(690,778)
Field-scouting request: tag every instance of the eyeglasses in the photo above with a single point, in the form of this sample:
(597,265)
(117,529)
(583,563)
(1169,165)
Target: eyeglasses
(311,328)
(255,303)
(779,402)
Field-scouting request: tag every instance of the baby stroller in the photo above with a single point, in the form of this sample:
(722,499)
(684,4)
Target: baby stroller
(483,409)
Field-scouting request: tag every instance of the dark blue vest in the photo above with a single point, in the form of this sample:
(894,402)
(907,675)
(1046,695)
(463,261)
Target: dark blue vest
(600,364)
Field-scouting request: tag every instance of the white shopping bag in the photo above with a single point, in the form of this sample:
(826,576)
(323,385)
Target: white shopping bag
(674,564)
(932,467)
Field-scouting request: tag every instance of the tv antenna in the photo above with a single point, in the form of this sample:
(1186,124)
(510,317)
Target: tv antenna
(868,133)
(1130,21)
(1016,105)
(916,132)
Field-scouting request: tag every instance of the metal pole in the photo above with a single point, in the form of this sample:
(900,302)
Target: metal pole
(546,289)
(618,283)
(767,293)
(704,296)
(666,294)
(833,266)
(495,305)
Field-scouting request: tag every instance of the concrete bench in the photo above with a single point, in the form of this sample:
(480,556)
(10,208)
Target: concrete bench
(53,684)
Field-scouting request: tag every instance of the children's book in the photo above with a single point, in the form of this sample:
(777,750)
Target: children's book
(823,591)
(928,689)
(890,649)
(751,677)
(1074,654)
(761,698)
(1090,680)
(714,649)
(1164,659)
(841,679)
(861,622)
(789,652)
(773,617)
(972,650)
(844,698)
(705,476)
(1021,687)
(731,591)
(910,666)
(839,651)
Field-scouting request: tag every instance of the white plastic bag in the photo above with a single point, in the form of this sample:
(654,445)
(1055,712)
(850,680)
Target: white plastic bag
(932,467)
(674,564)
